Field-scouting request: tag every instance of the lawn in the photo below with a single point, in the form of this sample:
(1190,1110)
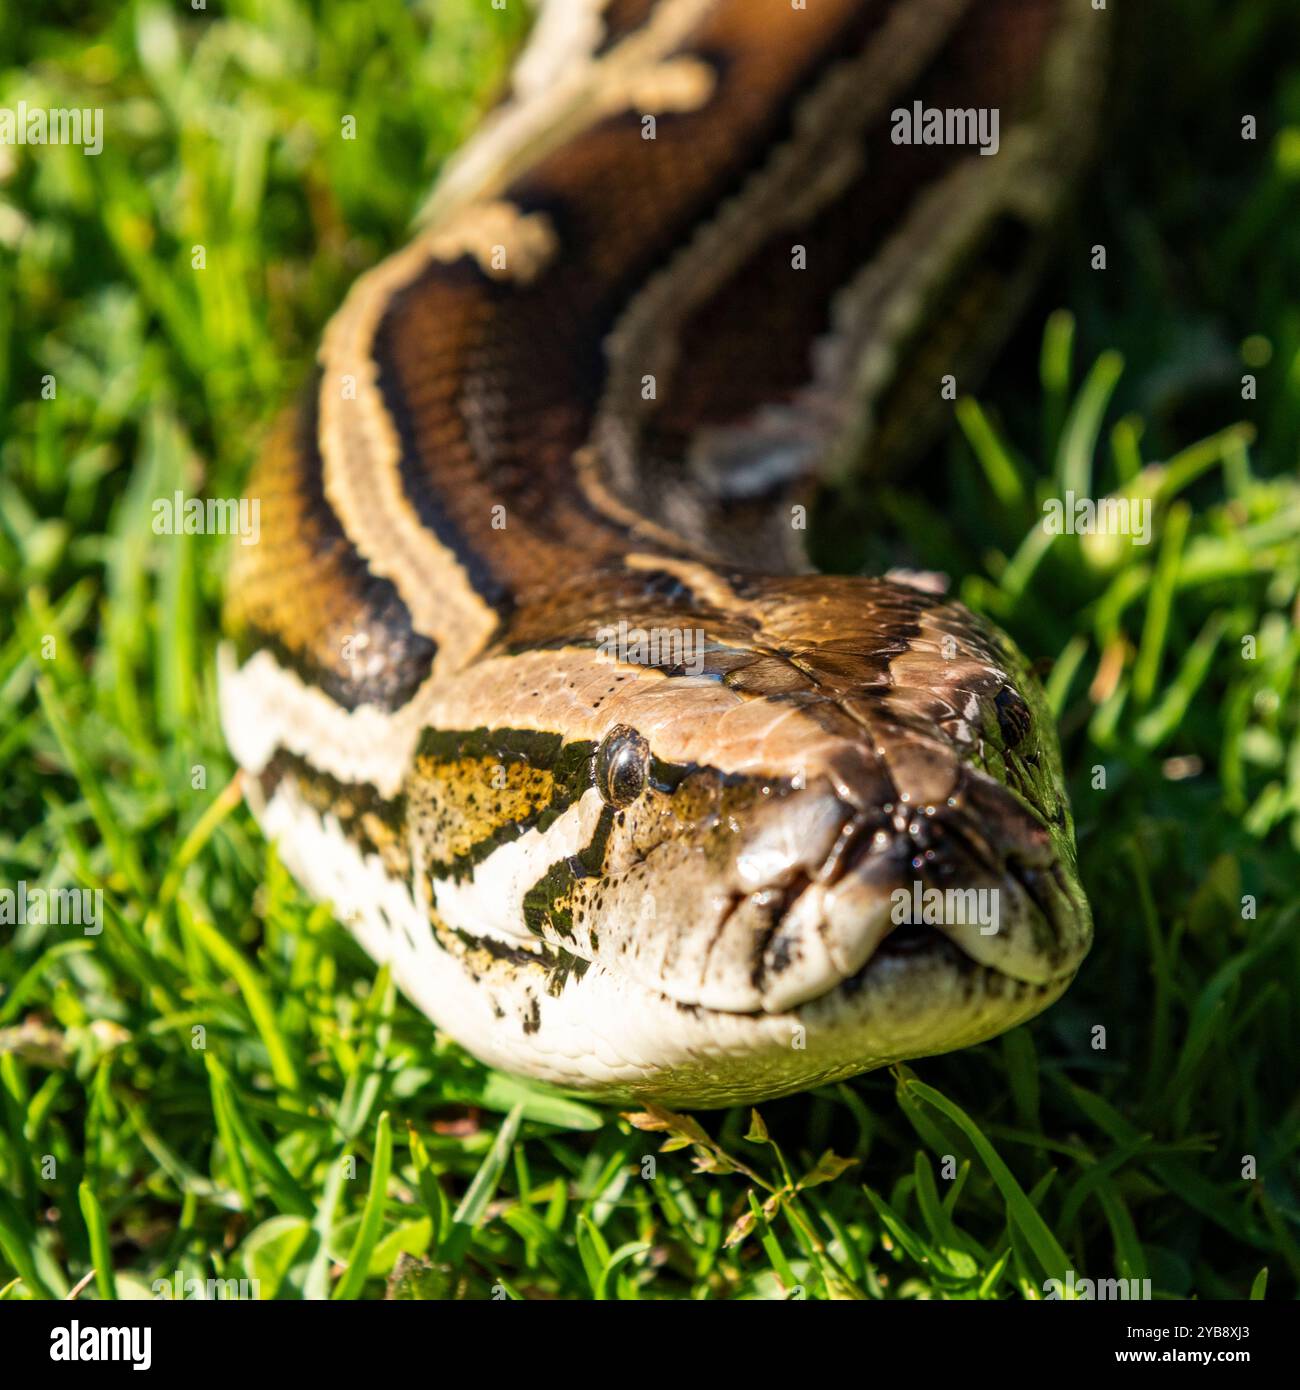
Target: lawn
(218,1085)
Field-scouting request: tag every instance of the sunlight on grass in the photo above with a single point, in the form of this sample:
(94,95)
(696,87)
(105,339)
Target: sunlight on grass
(221,1086)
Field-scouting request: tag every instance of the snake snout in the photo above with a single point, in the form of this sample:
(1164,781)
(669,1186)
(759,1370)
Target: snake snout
(896,882)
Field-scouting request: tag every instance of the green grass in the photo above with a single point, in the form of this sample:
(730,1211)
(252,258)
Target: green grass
(220,1083)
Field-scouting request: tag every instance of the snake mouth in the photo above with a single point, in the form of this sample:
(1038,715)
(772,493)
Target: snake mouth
(816,897)
(976,883)
(912,939)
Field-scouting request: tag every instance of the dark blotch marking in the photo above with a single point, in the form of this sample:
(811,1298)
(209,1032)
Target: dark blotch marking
(1014,718)
(550,899)
(395,659)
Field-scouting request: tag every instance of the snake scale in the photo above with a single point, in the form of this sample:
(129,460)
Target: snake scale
(528,676)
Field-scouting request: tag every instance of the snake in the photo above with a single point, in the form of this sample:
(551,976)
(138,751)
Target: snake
(528,673)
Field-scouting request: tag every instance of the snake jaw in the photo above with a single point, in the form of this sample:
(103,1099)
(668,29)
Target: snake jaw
(979,871)
(951,835)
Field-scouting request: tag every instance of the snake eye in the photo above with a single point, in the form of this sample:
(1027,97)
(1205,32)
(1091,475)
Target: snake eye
(621,766)
(1014,718)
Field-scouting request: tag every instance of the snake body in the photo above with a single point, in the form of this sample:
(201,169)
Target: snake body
(527,675)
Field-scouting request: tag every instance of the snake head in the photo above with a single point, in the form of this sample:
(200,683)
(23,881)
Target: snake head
(834,837)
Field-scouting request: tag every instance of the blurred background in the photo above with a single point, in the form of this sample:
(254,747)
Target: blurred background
(1168,1153)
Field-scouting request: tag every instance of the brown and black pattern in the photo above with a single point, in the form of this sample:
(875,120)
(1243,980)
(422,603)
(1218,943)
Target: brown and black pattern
(749,343)
(374,823)
(621,18)
(305,593)
(492,385)
(480,500)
